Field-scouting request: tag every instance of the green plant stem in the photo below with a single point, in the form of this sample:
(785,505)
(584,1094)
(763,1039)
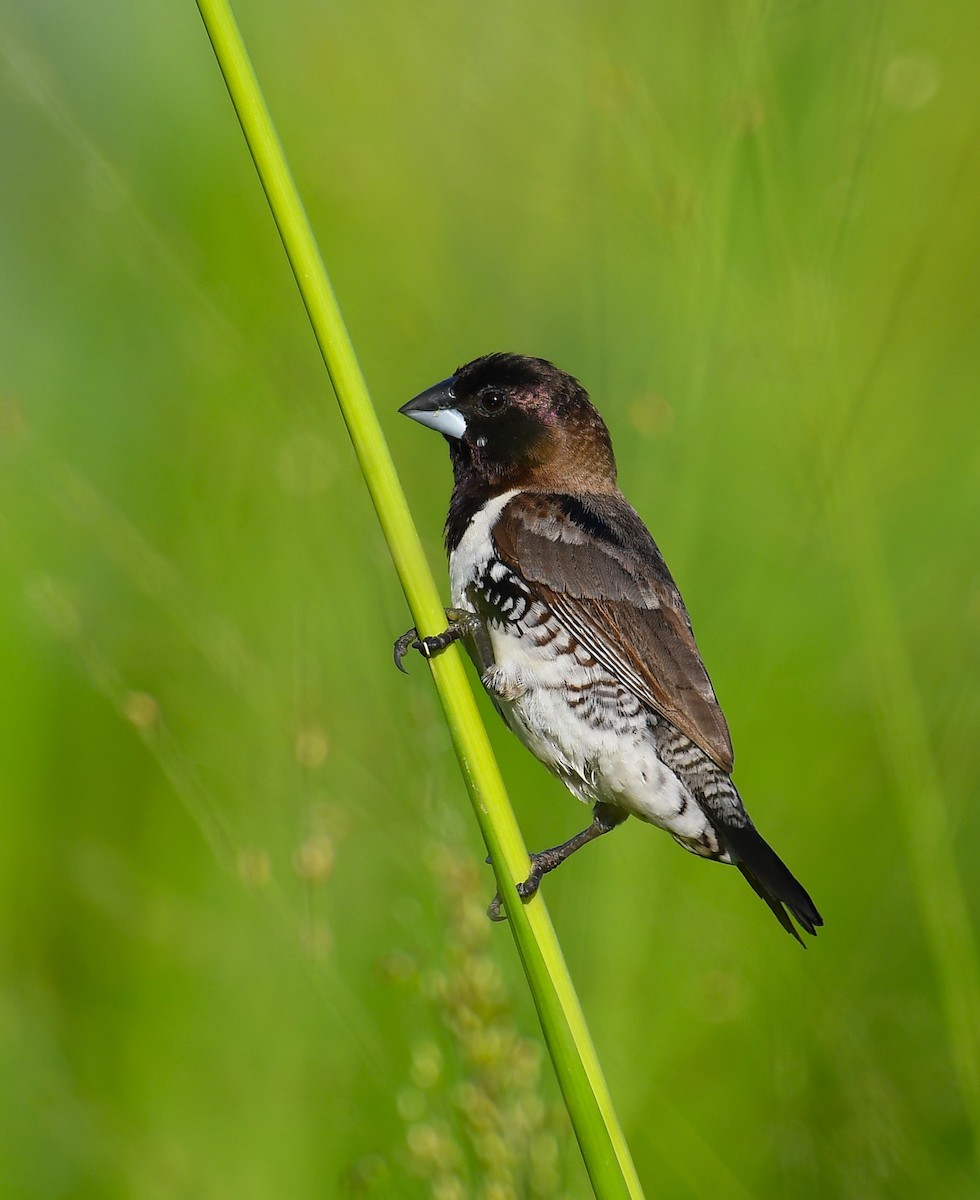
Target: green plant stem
(590,1108)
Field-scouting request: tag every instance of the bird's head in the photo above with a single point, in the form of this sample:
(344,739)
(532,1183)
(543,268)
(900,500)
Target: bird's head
(513,421)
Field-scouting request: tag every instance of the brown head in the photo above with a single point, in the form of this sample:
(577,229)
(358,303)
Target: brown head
(518,422)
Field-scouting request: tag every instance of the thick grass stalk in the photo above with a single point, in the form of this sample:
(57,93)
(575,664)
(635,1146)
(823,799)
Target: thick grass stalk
(590,1108)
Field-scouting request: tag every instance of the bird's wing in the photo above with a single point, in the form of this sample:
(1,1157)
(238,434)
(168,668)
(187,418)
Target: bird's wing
(593,562)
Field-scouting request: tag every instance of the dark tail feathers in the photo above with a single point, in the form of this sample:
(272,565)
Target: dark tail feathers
(770,878)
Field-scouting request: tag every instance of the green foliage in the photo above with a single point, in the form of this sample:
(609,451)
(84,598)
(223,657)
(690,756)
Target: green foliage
(751,231)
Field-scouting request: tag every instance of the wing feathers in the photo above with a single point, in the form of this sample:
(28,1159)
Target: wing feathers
(592,560)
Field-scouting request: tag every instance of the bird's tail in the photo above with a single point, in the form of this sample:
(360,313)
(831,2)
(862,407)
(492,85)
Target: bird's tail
(771,879)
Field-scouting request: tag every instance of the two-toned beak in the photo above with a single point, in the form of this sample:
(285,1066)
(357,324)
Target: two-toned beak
(436,408)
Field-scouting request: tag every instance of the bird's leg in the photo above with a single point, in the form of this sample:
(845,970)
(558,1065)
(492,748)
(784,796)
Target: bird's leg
(604,818)
(461,623)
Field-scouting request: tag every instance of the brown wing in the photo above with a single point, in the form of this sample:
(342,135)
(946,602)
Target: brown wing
(593,562)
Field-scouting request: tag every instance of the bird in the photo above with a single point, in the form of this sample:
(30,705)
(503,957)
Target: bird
(579,633)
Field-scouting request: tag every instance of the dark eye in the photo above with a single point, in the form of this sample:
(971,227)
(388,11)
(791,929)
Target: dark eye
(492,401)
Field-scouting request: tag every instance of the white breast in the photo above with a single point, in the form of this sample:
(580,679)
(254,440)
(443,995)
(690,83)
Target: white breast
(469,560)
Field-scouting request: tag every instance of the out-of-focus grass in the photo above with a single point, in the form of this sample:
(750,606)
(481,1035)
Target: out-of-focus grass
(751,231)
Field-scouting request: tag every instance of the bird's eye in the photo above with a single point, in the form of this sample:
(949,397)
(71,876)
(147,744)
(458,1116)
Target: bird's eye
(492,401)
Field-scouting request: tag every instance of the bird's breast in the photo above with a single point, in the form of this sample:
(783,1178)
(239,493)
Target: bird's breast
(468,560)
(561,702)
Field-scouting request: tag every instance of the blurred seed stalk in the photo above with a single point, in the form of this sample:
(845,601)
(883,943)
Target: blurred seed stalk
(476,1127)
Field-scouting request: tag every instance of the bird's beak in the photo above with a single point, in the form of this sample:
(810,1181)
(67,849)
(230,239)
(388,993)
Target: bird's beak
(436,408)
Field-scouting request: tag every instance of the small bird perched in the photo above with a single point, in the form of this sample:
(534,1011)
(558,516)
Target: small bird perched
(577,629)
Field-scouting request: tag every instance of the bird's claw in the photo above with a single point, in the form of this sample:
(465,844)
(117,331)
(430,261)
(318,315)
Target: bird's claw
(525,889)
(461,623)
(427,646)
(408,640)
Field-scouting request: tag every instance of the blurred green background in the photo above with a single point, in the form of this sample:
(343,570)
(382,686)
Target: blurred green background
(243,951)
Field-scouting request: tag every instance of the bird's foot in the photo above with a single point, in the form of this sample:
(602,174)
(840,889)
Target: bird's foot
(461,623)
(541,863)
(604,818)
